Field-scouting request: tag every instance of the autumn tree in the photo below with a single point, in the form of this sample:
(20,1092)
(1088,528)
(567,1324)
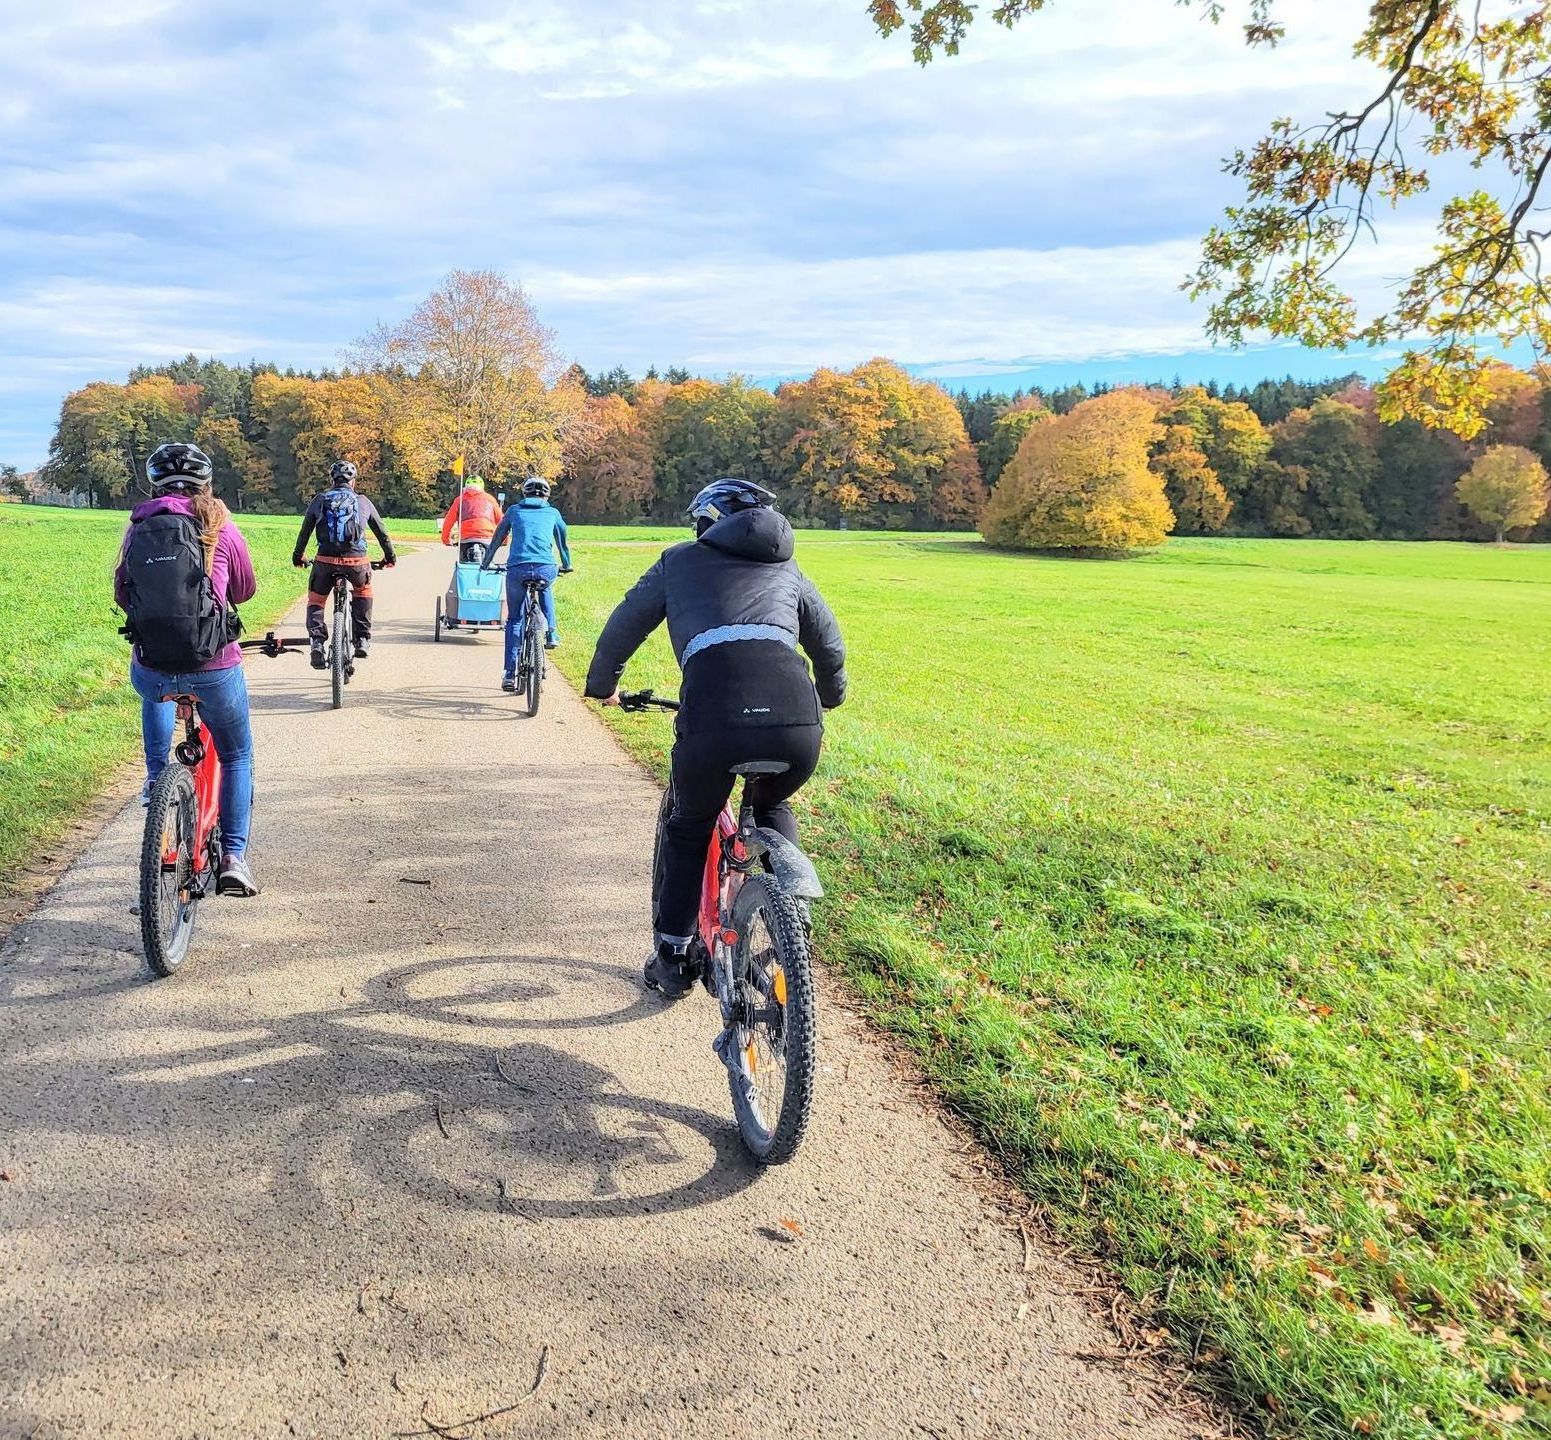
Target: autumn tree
(488,380)
(106,432)
(1457,81)
(610,476)
(958,491)
(242,475)
(704,429)
(1005,436)
(828,436)
(1082,481)
(1195,494)
(1332,444)
(1505,488)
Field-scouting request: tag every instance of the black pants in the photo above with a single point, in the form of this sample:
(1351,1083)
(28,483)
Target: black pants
(320,589)
(702,781)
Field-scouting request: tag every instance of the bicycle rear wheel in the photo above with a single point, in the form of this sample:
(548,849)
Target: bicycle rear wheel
(339,647)
(168,898)
(533,660)
(775,1030)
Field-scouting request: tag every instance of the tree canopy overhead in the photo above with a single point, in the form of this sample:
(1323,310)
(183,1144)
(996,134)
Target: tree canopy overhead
(1470,78)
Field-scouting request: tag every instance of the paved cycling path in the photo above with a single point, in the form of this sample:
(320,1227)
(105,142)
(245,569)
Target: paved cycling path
(405,1132)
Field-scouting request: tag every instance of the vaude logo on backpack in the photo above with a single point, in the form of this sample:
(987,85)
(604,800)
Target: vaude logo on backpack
(173,617)
(339,522)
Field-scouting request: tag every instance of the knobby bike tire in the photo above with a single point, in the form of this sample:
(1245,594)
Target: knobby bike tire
(774,1140)
(165,937)
(436,632)
(337,648)
(533,654)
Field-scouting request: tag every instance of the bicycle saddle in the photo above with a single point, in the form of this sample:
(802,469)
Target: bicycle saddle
(760,767)
(180,699)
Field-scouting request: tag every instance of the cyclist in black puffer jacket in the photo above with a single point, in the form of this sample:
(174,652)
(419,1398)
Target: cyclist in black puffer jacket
(737,608)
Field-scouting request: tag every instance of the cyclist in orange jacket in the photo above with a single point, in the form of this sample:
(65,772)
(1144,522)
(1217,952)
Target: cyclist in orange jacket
(475,514)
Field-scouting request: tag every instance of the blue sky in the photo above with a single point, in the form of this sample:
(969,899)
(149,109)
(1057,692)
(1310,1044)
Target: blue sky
(755,185)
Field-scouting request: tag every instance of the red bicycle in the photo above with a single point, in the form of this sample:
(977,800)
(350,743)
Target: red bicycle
(180,853)
(754,951)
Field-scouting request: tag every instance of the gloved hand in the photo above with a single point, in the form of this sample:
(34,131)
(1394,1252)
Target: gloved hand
(390,560)
(299,562)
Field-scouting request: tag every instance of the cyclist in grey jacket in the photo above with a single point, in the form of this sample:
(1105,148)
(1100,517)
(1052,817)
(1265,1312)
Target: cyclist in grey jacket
(737,609)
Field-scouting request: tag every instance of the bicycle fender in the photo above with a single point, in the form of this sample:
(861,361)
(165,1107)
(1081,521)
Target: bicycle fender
(792,869)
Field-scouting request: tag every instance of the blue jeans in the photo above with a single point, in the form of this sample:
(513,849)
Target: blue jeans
(515,598)
(223,702)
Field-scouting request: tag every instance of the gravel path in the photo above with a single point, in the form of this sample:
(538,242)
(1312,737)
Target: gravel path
(388,1152)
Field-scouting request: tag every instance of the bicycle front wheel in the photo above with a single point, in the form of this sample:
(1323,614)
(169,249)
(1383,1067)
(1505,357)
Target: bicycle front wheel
(773,1064)
(339,649)
(169,899)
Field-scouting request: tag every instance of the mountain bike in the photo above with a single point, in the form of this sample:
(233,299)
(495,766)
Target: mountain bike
(532,663)
(180,852)
(754,949)
(341,643)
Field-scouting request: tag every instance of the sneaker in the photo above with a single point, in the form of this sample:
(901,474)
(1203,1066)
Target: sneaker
(362,649)
(552,640)
(319,659)
(509,683)
(671,973)
(145,796)
(235,877)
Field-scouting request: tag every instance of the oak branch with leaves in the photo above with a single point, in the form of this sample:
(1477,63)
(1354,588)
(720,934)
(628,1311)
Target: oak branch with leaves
(1470,78)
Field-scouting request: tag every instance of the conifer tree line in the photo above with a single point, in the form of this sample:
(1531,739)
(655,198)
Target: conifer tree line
(472,372)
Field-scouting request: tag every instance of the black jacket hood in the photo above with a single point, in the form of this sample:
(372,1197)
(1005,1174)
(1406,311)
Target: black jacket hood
(761,534)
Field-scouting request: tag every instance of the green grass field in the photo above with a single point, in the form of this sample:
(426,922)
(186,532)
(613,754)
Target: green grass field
(1214,886)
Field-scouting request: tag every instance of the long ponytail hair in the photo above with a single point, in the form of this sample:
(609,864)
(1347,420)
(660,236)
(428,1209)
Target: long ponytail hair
(212,514)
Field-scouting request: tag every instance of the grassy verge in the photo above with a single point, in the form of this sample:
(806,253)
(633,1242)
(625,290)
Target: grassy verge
(1215,887)
(68,719)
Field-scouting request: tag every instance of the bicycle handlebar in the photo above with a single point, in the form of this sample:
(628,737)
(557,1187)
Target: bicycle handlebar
(501,569)
(636,700)
(375,564)
(273,644)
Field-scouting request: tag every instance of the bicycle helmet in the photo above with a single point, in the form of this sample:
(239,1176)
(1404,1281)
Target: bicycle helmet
(726,497)
(342,472)
(535,485)
(178,465)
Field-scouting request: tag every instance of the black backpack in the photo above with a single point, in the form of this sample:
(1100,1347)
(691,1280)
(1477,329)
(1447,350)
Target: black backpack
(173,616)
(339,521)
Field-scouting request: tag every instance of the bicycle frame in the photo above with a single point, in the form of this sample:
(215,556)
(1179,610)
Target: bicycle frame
(725,857)
(196,751)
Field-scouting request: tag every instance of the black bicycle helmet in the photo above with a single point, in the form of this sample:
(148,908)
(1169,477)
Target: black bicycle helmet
(728,496)
(535,485)
(178,463)
(342,472)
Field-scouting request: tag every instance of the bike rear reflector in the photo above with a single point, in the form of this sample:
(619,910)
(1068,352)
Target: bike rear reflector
(778,985)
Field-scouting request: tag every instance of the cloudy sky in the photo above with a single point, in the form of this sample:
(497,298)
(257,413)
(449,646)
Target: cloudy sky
(756,185)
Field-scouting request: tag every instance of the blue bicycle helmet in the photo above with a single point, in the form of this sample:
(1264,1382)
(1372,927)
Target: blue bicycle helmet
(728,496)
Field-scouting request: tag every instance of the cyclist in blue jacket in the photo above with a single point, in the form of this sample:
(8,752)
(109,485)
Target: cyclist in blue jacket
(537,532)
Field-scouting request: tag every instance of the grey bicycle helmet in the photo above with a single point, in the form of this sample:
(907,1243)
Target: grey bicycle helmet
(342,472)
(536,486)
(728,496)
(178,465)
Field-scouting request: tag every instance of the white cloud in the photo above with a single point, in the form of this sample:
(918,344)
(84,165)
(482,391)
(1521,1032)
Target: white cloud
(729,183)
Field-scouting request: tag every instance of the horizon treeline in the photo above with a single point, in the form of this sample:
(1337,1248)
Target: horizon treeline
(870,447)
